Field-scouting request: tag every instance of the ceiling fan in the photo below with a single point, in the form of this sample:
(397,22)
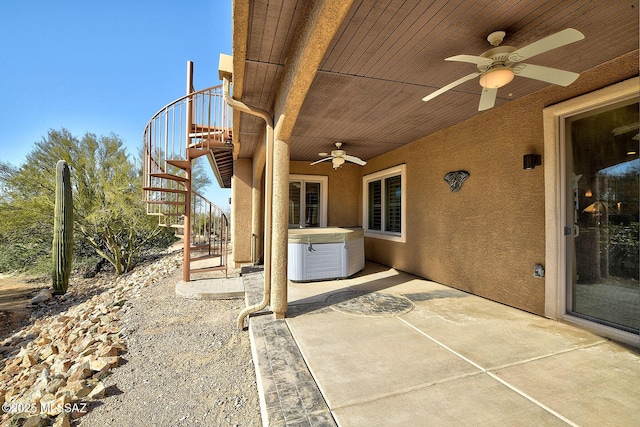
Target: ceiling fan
(498,66)
(338,157)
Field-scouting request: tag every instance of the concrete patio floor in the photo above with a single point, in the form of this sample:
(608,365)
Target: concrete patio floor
(385,348)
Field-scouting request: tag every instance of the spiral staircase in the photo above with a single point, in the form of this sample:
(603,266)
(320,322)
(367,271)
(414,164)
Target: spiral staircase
(196,125)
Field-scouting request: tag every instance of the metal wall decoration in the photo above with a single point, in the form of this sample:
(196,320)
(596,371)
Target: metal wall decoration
(455,180)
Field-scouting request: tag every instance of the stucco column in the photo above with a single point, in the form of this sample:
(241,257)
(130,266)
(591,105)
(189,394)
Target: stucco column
(257,216)
(280,227)
(241,211)
(256,219)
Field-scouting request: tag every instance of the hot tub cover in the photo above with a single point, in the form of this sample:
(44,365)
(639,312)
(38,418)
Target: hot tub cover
(324,235)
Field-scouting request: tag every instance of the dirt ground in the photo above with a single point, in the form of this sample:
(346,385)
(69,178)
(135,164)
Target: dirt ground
(15,293)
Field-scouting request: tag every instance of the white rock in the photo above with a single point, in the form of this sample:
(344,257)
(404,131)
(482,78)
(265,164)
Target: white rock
(42,296)
(62,420)
(98,391)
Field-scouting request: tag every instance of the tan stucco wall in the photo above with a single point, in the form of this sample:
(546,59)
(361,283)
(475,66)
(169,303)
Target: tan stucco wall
(241,211)
(486,238)
(345,191)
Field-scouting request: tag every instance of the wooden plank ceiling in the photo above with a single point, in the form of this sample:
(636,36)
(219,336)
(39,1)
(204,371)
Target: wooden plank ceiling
(388,54)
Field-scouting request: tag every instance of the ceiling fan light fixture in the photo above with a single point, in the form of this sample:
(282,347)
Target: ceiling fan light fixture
(337,162)
(496,78)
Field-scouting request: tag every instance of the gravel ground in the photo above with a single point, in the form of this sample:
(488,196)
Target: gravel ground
(186,365)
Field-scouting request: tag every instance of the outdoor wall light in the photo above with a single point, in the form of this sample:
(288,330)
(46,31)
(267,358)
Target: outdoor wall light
(530,161)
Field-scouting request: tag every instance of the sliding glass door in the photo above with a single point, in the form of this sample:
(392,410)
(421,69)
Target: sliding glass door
(603,198)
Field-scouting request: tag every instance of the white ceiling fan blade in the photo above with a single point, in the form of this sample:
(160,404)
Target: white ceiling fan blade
(553,41)
(478,60)
(546,74)
(323,154)
(323,160)
(487,99)
(450,86)
(354,159)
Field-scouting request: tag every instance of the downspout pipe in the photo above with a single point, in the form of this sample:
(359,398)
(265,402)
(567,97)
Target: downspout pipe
(268,203)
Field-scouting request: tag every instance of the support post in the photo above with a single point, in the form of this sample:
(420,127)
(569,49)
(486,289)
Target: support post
(257,209)
(280,229)
(256,218)
(186,263)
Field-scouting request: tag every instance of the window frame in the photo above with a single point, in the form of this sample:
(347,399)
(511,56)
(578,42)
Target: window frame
(323,180)
(399,170)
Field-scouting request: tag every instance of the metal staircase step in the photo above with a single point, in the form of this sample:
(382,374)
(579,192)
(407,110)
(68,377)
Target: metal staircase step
(205,135)
(182,164)
(211,145)
(171,225)
(194,152)
(163,202)
(165,190)
(169,176)
(203,131)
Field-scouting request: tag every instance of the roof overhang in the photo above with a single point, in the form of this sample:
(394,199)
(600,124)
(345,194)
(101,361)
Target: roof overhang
(383,58)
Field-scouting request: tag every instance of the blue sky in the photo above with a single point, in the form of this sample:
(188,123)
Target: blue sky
(102,66)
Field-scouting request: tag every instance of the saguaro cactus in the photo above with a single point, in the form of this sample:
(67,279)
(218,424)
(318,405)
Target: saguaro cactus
(62,229)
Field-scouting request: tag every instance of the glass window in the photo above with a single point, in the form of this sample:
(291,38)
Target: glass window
(384,215)
(393,198)
(312,204)
(375,205)
(294,202)
(307,201)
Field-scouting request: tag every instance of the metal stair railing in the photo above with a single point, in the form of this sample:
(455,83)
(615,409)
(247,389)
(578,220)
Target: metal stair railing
(209,235)
(164,198)
(181,131)
(168,146)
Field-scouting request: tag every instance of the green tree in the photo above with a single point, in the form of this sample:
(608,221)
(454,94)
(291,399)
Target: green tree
(199,178)
(110,218)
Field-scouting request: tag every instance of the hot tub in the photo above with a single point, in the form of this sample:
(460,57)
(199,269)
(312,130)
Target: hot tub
(325,253)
